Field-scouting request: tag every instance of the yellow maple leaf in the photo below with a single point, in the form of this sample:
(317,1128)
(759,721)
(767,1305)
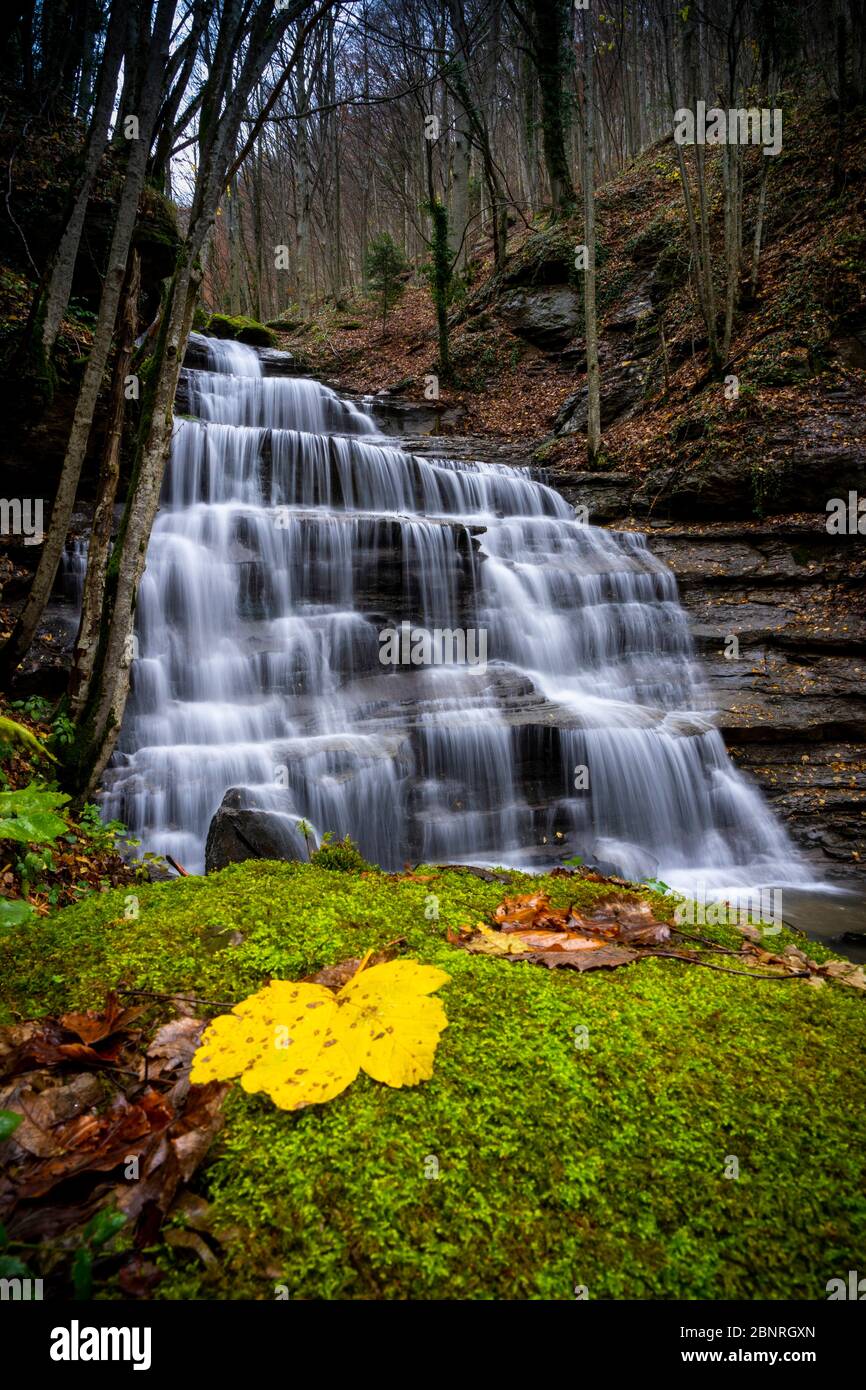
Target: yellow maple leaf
(302,1044)
(390,1024)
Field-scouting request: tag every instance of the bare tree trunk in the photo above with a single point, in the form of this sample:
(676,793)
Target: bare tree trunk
(100,532)
(593,375)
(528,134)
(733,176)
(639,59)
(302,226)
(698,226)
(477,111)
(549,23)
(131,546)
(460,155)
(762,202)
(63,265)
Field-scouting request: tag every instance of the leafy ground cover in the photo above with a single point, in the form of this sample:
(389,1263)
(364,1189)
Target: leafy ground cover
(577,1129)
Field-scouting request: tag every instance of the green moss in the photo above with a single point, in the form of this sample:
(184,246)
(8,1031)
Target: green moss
(341,855)
(156,235)
(242,329)
(557,1164)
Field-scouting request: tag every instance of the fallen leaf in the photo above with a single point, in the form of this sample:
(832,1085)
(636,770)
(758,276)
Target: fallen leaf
(529,929)
(302,1044)
(172,1047)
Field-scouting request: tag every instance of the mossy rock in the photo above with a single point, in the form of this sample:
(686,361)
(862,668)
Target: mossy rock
(539,1156)
(241,329)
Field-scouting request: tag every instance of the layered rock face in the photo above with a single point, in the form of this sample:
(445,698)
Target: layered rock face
(791,689)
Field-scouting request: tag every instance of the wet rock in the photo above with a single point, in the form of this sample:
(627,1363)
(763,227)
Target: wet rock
(624,385)
(623,860)
(196,356)
(606,495)
(397,415)
(275,362)
(486,875)
(790,694)
(634,313)
(157,871)
(238,832)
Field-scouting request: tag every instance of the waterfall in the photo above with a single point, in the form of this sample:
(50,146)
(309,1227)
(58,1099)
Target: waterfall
(294,544)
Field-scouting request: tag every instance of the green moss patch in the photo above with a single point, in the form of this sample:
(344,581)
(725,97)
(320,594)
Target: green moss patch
(242,329)
(577,1129)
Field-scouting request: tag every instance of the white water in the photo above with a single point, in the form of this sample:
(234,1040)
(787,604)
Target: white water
(290,534)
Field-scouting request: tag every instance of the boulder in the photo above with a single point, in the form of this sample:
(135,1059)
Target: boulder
(548,316)
(241,329)
(239,831)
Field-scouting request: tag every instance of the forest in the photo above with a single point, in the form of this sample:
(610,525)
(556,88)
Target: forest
(432,640)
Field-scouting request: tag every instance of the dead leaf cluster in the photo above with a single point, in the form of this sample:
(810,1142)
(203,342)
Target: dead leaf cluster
(108,1120)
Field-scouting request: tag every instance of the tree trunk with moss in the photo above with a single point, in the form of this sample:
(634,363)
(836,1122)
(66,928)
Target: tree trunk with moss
(50,306)
(551,21)
(440,279)
(102,722)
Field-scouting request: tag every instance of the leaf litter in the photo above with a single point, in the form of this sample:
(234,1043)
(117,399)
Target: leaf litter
(106,1121)
(619,930)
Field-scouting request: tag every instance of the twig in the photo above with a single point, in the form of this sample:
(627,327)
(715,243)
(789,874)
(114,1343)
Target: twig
(398,941)
(177,867)
(184,998)
(726,970)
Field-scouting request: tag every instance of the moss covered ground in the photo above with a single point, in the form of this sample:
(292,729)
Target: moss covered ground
(529,1164)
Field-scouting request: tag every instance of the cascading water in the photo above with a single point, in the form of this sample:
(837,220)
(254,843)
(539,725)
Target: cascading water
(291,537)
